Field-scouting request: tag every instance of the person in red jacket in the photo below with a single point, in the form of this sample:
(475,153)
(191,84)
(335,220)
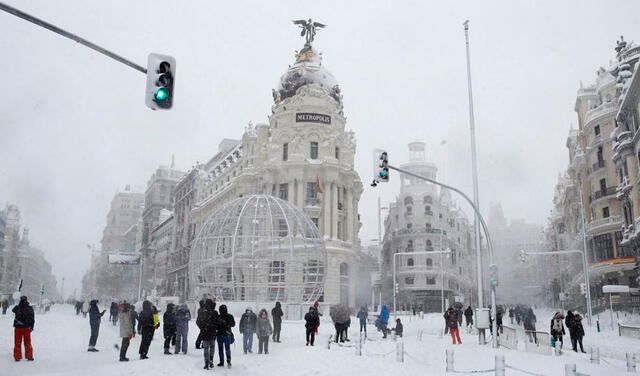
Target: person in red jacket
(451,318)
(23,324)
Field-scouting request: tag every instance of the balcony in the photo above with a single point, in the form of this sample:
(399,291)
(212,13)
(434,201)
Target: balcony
(598,165)
(624,187)
(602,193)
(603,109)
(408,231)
(312,201)
(604,223)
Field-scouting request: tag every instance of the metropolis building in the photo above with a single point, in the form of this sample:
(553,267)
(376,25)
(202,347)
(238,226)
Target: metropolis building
(303,155)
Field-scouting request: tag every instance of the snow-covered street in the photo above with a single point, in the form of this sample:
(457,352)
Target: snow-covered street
(60,348)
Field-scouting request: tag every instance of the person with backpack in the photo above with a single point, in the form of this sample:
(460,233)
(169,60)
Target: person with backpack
(276,314)
(183,316)
(263,331)
(248,328)
(451,318)
(127,329)
(362,316)
(224,335)
(557,329)
(576,331)
(207,321)
(312,321)
(95,316)
(146,328)
(169,328)
(23,324)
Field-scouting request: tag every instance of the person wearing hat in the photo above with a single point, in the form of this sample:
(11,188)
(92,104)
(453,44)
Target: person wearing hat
(23,326)
(248,329)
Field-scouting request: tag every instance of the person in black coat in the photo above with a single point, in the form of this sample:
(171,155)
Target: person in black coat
(169,327)
(312,322)
(94,321)
(224,335)
(468,316)
(199,338)
(248,329)
(207,321)
(576,331)
(276,314)
(146,328)
(399,328)
(23,326)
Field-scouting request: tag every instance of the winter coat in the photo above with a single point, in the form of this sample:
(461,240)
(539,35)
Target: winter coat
(468,313)
(568,320)
(399,329)
(207,321)
(277,313)
(451,318)
(557,327)
(183,316)
(94,313)
(576,330)
(263,325)
(529,321)
(225,322)
(169,321)
(362,315)
(312,320)
(248,322)
(127,323)
(24,315)
(384,314)
(145,318)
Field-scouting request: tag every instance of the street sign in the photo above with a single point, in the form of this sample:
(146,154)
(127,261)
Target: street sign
(124,259)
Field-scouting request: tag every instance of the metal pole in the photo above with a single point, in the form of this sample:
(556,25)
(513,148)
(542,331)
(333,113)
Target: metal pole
(57,30)
(380,254)
(474,166)
(584,259)
(611,309)
(441,264)
(140,277)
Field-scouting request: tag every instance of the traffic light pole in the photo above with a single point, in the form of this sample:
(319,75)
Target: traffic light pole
(64,33)
(494,339)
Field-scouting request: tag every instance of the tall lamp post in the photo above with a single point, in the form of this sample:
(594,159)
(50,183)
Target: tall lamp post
(380,209)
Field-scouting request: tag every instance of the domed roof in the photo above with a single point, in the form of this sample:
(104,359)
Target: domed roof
(307,70)
(259,248)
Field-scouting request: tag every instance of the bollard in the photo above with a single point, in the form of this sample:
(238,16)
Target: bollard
(359,347)
(450,361)
(329,342)
(499,365)
(631,362)
(594,355)
(598,325)
(570,370)
(400,352)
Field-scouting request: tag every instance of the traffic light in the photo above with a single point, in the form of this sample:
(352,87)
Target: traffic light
(161,73)
(583,289)
(396,288)
(523,256)
(493,275)
(380,167)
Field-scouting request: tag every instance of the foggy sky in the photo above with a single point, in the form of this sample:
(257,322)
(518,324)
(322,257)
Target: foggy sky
(74,127)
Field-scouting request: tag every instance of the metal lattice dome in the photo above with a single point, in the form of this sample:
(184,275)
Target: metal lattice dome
(259,248)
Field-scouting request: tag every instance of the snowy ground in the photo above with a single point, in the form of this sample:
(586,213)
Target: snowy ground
(60,342)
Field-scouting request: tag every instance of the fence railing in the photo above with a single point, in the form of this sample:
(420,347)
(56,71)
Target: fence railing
(508,338)
(629,331)
(537,342)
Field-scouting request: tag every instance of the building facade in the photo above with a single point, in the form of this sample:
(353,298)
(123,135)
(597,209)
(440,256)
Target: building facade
(425,218)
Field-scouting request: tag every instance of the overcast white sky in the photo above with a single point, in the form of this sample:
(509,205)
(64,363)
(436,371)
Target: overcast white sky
(74,127)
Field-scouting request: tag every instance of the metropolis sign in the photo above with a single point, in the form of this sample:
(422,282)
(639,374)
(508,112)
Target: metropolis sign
(307,117)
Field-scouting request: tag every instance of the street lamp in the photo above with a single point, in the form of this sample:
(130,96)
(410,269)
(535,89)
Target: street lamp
(444,251)
(380,208)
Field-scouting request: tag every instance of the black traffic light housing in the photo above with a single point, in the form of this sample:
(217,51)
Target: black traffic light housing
(161,73)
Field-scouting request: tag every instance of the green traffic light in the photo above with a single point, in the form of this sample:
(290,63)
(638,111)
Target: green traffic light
(162,94)
(383,173)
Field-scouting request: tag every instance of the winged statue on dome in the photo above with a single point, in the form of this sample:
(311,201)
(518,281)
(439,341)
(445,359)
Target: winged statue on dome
(308,29)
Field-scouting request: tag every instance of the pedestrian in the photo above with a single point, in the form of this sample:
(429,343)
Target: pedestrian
(557,329)
(568,320)
(529,323)
(451,318)
(127,329)
(312,321)
(248,328)
(146,328)
(511,315)
(183,316)
(499,314)
(362,316)
(85,308)
(316,305)
(169,327)
(5,306)
(384,320)
(199,339)
(23,324)
(95,316)
(576,331)
(468,317)
(263,331)
(113,313)
(224,335)
(207,321)
(399,328)
(276,314)
(78,307)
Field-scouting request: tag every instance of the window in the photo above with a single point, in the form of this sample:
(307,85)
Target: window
(605,212)
(431,280)
(315,222)
(282,228)
(428,227)
(427,210)
(284,191)
(603,187)
(313,153)
(312,192)
(429,263)
(596,130)
(409,210)
(276,272)
(428,200)
(429,244)
(410,262)
(409,226)
(408,200)
(337,153)
(408,280)
(285,151)
(410,246)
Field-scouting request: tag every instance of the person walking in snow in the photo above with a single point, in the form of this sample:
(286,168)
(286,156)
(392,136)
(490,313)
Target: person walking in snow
(146,328)
(224,335)
(263,331)
(207,321)
(362,316)
(23,324)
(276,314)
(169,328)
(529,323)
(248,328)
(316,305)
(384,320)
(127,319)
(557,329)
(511,315)
(312,321)
(568,320)
(113,313)
(95,316)
(183,316)
(199,338)
(468,317)
(576,331)
(451,318)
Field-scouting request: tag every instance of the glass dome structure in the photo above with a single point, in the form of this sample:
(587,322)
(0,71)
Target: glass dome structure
(259,248)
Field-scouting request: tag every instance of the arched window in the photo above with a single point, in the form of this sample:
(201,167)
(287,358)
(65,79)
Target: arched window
(410,246)
(408,200)
(410,262)
(427,210)
(431,280)
(344,269)
(428,200)
(409,210)
(429,263)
